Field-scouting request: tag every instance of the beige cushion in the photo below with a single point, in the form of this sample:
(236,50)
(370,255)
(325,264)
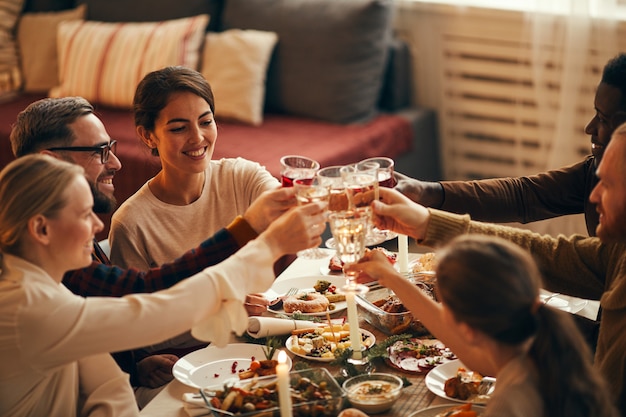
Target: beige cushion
(10,76)
(235,64)
(37,42)
(104,62)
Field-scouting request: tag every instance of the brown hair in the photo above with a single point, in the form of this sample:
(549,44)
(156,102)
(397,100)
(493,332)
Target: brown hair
(45,124)
(493,286)
(31,185)
(154,91)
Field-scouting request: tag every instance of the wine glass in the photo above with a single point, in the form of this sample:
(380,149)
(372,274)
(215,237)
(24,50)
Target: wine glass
(385,171)
(295,167)
(311,191)
(349,229)
(385,179)
(361,181)
(338,201)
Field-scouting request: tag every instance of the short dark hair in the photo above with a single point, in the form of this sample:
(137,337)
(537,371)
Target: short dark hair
(614,74)
(45,124)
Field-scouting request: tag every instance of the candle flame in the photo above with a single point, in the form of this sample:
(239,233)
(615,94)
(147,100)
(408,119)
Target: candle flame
(282,357)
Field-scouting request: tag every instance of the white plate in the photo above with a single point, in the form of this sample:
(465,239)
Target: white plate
(212,366)
(371,340)
(437,409)
(305,284)
(437,377)
(563,302)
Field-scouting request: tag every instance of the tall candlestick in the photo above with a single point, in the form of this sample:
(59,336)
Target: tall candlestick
(353,321)
(284,386)
(403,253)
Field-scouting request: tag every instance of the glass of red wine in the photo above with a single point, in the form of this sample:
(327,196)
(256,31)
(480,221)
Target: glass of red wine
(295,167)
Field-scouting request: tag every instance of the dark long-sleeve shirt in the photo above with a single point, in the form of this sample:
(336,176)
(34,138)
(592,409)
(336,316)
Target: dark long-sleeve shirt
(542,196)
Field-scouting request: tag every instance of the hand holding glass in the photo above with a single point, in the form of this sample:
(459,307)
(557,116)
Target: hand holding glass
(311,191)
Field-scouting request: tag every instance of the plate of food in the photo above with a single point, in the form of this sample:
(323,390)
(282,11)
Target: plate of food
(319,344)
(455,382)
(418,356)
(426,262)
(562,302)
(213,366)
(443,410)
(315,295)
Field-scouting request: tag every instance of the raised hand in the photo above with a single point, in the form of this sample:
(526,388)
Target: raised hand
(268,207)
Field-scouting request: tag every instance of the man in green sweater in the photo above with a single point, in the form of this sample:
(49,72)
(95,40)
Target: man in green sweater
(588,267)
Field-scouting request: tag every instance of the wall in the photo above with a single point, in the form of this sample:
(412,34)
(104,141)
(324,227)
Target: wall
(498,82)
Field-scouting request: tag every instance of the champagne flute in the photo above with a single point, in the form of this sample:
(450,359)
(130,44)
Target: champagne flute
(385,179)
(361,181)
(311,191)
(331,176)
(296,167)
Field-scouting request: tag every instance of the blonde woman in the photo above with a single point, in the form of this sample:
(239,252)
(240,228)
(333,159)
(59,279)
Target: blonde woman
(54,344)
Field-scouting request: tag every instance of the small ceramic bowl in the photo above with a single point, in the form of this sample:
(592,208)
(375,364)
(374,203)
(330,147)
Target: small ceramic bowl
(373,393)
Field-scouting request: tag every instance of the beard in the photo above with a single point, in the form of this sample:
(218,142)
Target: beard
(102,203)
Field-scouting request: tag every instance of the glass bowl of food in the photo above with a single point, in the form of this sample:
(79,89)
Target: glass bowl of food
(384,310)
(373,393)
(314,393)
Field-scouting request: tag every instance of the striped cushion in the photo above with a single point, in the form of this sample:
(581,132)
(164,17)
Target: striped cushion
(10,76)
(104,62)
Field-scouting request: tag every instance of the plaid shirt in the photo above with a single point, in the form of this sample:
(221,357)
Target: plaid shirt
(103,279)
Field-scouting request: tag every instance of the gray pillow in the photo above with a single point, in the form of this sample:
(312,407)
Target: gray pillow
(330,58)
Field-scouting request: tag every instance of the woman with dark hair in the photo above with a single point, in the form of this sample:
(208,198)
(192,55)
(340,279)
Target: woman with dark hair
(192,195)
(491,316)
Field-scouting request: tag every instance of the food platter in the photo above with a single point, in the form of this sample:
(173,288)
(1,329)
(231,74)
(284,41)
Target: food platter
(304,284)
(369,341)
(437,377)
(437,410)
(418,356)
(213,366)
(563,302)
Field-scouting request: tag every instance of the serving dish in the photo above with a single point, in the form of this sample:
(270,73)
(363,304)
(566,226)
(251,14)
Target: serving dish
(370,307)
(418,356)
(213,366)
(373,393)
(314,393)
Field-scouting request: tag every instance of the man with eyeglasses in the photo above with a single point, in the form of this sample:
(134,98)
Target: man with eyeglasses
(67,128)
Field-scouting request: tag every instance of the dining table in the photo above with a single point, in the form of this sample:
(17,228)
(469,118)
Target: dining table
(416,396)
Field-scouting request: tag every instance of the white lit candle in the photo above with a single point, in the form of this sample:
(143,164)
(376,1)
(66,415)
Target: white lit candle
(353,321)
(403,253)
(284,386)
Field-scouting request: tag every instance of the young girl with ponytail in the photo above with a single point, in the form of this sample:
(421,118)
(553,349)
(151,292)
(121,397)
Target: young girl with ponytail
(491,316)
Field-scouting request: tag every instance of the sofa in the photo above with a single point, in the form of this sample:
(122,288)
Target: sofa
(322,78)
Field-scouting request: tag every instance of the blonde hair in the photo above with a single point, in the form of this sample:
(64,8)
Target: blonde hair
(31,185)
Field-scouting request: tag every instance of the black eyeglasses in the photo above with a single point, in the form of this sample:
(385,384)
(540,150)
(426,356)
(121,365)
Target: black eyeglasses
(105,150)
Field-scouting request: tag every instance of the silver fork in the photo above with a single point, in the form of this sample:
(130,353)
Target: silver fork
(278,303)
(487,385)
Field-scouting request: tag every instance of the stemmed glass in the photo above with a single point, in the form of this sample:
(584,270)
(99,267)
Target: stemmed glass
(295,167)
(331,176)
(385,179)
(349,229)
(361,182)
(311,191)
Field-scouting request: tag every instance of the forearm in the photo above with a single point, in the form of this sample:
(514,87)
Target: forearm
(573,265)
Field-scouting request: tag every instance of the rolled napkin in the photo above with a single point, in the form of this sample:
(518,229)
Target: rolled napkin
(259,327)
(194,405)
